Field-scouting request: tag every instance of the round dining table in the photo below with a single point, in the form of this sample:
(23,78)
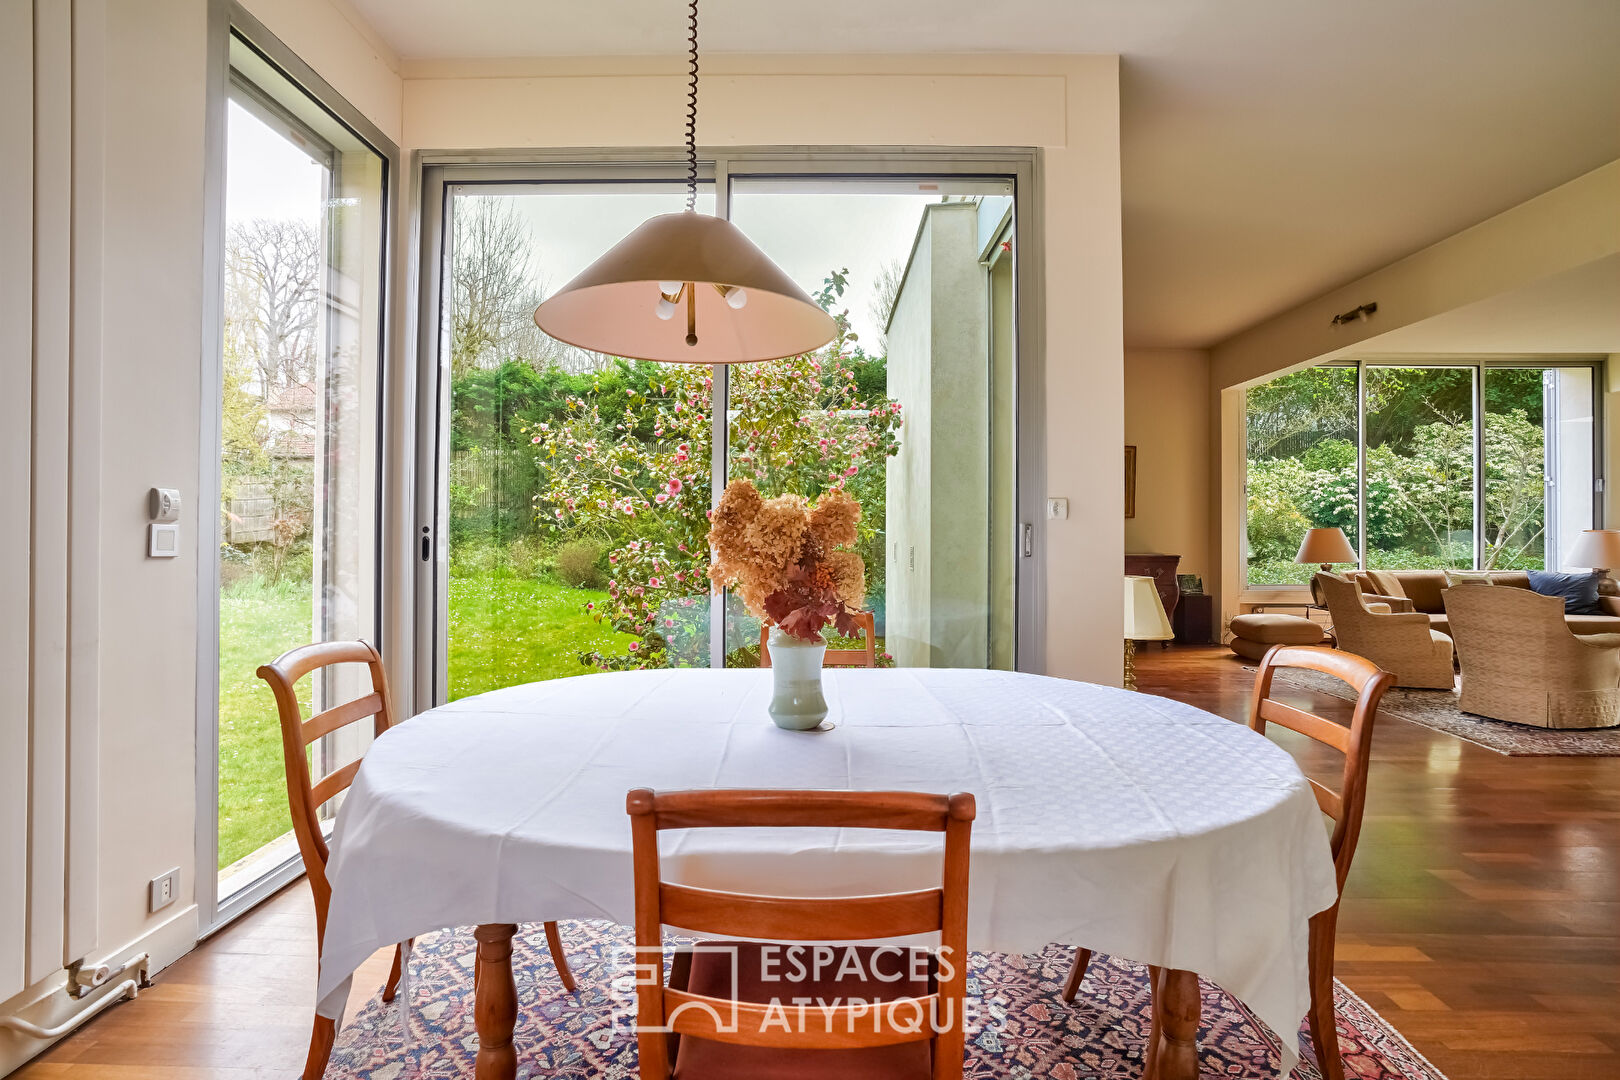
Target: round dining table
(1118,821)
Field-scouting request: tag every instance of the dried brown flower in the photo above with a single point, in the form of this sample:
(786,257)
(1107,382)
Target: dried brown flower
(832,522)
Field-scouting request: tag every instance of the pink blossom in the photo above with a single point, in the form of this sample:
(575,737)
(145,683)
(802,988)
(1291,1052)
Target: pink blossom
(535,439)
(674,486)
(634,646)
(661,497)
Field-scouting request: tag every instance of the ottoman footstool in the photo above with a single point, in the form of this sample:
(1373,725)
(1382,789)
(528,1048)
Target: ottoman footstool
(1254,635)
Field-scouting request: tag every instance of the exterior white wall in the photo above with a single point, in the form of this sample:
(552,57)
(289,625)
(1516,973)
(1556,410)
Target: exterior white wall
(938,511)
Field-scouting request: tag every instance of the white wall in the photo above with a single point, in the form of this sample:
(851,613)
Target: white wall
(118,250)
(1068,106)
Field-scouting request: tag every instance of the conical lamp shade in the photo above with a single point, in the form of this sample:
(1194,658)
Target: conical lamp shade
(611,307)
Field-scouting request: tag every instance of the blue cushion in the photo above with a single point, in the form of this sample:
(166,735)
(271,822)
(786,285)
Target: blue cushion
(1580,591)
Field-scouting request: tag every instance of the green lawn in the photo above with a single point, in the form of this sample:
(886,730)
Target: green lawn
(504,629)
(257,623)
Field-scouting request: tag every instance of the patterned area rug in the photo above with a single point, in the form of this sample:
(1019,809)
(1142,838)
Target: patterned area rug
(1021,1030)
(1438,709)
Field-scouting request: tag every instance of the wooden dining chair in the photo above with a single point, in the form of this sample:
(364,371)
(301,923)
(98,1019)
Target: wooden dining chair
(1344,807)
(863,657)
(305,798)
(715,1019)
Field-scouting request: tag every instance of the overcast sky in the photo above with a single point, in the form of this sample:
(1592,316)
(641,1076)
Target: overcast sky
(808,234)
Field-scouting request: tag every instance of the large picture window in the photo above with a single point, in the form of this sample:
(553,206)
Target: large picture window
(1489,465)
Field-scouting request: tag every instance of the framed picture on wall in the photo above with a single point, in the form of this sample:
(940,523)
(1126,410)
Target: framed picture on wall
(1130,481)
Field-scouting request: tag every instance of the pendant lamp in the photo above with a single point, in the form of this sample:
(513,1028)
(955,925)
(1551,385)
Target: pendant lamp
(686,287)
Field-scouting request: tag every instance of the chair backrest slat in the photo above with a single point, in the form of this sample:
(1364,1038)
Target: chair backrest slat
(342,716)
(1335,735)
(304,796)
(1355,742)
(1328,799)
(334,782)
(801,919)
(838,1027)
(767,808)
(792,918)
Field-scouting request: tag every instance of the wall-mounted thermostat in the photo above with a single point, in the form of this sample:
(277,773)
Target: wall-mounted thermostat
(163,505)
(162,541)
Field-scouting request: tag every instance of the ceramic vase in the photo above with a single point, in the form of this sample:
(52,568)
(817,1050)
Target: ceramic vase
(796,703)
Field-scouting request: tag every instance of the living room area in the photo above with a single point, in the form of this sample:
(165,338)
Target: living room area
(1349,471)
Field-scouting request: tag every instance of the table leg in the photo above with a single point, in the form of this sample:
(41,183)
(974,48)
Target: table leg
(495,1002)
(1174,1055)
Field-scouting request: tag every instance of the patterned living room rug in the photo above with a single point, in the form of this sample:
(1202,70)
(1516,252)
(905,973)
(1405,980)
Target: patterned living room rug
(1022,1029)
(1438,709)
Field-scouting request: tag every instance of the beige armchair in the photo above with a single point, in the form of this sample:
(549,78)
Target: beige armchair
(1399,642)
(1521,662)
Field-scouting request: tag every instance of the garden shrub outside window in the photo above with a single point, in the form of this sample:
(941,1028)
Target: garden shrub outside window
(1389,452)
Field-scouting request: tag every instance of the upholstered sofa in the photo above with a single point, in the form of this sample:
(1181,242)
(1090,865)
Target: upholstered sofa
(1521,662)
(1420,590)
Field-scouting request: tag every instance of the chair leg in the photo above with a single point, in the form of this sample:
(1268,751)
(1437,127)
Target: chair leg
(1077,972)
(392,985)
(558,957)
(320,1048)
(1324,1027)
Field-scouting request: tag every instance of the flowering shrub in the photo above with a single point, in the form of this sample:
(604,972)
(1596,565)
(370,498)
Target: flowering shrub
(632,472)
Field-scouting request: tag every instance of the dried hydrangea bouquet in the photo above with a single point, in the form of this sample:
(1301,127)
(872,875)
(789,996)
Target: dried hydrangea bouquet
(794,567)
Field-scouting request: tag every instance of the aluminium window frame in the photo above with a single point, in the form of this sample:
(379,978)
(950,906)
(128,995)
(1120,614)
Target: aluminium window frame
(436,172)
(228,19)
(1479,364)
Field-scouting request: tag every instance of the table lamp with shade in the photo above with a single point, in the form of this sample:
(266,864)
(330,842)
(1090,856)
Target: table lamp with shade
(1325,547)
(1596,548)
(1145,620)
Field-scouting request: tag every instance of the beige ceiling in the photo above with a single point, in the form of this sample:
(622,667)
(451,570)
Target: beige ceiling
(1272,148)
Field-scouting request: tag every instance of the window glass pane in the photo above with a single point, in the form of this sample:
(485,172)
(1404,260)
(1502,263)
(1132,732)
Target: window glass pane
(1302,469)
(305,225)
(578,484)
(910,409)
(1420,468)
(1538,464)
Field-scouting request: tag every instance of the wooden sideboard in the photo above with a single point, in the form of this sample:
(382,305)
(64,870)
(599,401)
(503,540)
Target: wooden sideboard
(1162,569)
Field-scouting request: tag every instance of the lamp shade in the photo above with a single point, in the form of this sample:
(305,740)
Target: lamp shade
(1325,546)
(1144,613)
(612,306)
(1596,548)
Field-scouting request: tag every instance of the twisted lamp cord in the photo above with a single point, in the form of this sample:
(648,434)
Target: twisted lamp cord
(691,107)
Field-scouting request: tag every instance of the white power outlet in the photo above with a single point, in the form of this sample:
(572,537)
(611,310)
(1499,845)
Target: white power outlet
(164,888)
(1057,509)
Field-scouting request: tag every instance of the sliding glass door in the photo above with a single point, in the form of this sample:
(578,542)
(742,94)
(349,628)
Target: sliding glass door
(571,491)
(299,377)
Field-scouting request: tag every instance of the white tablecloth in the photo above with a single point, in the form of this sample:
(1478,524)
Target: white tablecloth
(1133,825)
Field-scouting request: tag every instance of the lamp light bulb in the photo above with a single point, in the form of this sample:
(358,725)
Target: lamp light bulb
(666,309)
(737,298)
(669,288)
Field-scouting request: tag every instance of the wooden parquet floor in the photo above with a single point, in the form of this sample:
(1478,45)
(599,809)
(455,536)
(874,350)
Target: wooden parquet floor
(1482,918)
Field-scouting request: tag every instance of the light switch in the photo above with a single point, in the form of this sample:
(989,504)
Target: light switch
(1057,509)
(162,541)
